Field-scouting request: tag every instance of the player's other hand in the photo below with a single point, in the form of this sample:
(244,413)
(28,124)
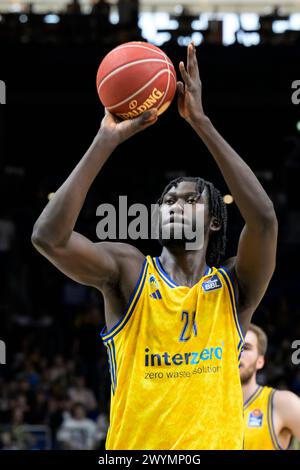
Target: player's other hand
(118,131)
(189,92)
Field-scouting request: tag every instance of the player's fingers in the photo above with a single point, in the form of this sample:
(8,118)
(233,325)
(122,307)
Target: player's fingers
(180,94)
(149,115)
(184,74)
(180,88)
(195,61)
(145,119)
(190,58)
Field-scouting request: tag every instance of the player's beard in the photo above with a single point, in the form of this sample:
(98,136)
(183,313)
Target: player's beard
(247,374)
(173,242)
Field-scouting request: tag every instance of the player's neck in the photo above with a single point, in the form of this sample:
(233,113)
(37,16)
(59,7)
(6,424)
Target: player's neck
(249,388)
(183,266)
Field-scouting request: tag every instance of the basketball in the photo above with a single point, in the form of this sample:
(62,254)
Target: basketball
(135,77)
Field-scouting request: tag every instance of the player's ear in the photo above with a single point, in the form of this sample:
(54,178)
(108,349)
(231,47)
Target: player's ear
(260,362)
(215,224)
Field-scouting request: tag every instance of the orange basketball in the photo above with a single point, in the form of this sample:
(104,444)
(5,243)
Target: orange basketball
(134,77)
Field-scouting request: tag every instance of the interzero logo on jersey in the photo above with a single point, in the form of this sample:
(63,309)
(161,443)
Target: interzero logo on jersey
(189,358)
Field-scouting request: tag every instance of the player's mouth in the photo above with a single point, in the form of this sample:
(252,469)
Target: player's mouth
(176,219)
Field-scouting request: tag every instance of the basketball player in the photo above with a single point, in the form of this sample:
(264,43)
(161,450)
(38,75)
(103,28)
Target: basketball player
(174,324)
(272,417)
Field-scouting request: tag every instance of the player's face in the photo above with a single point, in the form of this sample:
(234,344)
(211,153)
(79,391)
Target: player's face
(251,360)
(181,207)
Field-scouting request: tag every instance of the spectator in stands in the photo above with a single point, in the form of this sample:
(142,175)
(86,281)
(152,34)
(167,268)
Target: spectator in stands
(79,393)
(58,369)
(18,432)
(74,7)
(7,237)
(7,442)
(78,432)
(102,9)
(128,12)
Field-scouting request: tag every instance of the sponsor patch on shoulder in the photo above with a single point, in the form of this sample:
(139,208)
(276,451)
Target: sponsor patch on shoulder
(212,284)
(255,419)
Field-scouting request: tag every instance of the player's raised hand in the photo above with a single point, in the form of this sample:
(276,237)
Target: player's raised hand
(118,131)
(190,90)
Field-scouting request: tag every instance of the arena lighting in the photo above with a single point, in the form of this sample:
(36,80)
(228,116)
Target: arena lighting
(298,126)
(23,18)
(51,18)
(228,199)
(50,196)
(114,17)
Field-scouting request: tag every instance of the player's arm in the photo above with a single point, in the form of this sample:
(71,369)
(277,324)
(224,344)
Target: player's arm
(287,406)
(53,233)
(254,264)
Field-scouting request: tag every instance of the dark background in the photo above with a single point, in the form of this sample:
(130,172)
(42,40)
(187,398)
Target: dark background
(52,114)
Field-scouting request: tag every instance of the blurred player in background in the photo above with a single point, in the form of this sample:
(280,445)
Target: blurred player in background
(174,323)
(272,417)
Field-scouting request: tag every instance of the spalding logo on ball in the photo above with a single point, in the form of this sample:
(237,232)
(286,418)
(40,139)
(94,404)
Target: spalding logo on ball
(135,77)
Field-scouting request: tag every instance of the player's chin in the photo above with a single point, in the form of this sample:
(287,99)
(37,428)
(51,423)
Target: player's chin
(244,375)
(173,241)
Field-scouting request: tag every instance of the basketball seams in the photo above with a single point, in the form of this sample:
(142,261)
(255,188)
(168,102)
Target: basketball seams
(167,87)
(124,66)
(139,46)
(169,72)
(125,46)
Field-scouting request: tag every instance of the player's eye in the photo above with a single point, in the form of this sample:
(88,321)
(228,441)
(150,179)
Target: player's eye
(169,201)
(192,200)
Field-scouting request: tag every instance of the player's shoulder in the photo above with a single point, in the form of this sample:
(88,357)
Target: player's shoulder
(229,264)
(284,399)
(282,396)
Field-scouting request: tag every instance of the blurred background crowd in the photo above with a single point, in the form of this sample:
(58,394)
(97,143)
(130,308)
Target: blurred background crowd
(103,22)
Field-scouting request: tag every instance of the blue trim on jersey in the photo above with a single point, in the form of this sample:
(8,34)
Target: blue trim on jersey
(207,271)
(164,275)
(109,345)
(235,298)
(112,380)
(239,356)
(107,335)
(271,422)
(114,360)
(233,303)
(254,395)
(167,278)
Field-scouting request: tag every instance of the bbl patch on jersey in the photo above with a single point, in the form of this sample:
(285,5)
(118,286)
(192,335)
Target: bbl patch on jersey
(255,419)
(212,284)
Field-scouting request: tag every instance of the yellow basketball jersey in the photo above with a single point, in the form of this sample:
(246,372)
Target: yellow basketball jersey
(258,420)
(174,363)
